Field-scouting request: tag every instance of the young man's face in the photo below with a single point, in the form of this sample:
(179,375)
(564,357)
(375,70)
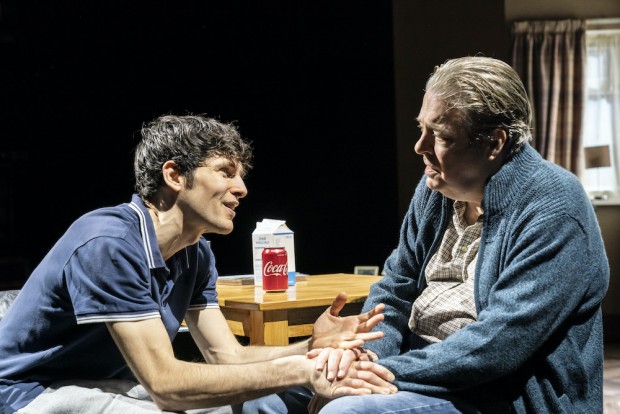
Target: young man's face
(210,203)
(454,167)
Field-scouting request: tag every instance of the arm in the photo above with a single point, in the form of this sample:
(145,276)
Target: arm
(397,290)
(218,345)
(404,278)
(179,385)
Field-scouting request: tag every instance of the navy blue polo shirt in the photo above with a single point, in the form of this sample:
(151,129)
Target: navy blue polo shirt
(106,267)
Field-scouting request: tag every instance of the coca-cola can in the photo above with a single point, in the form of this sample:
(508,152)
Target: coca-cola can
(275,269)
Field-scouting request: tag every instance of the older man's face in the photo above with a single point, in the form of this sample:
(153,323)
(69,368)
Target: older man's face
(455,168)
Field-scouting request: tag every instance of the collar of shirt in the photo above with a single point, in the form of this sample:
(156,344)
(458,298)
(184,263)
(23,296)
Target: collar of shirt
(459,217)
(176,264)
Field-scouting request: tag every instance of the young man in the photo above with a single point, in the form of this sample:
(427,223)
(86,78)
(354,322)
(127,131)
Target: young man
(102,308)
(492,298)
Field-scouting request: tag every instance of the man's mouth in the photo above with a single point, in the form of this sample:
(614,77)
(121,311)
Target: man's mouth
(231,205)
(429,166)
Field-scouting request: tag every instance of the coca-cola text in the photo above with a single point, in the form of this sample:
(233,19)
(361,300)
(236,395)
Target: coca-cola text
(275,270)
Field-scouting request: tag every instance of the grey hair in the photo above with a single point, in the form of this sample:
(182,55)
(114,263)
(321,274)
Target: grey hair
(187,140)
(489,94)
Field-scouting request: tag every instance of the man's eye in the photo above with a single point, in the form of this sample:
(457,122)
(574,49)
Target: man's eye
(442,139)
(427,130)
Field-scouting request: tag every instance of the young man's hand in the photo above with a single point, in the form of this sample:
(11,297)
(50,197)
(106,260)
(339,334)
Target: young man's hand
(333,331)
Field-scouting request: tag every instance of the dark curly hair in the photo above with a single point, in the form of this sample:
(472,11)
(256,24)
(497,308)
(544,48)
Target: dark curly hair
(187,140)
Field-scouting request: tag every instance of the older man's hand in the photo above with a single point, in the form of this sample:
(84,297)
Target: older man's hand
(362,378)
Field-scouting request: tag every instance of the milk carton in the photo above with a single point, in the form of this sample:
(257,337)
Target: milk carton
(272,233)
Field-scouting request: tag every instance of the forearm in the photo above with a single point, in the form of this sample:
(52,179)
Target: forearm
(185,385)
(252,353)
(396,293)
(178,385)
(218,345)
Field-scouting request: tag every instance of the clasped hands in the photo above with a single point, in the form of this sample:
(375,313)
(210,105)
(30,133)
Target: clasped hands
(342,367)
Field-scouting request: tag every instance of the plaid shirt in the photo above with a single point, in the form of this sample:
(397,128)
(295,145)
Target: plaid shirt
(447,303)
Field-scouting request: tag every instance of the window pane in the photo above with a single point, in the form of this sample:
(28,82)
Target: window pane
(602,109)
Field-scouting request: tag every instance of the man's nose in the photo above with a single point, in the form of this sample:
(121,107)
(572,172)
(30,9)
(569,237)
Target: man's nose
(238,187)
(424,144)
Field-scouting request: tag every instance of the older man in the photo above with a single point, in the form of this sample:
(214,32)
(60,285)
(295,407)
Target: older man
(493,294)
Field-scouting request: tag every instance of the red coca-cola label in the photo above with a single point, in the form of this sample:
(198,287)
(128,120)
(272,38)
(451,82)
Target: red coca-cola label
(271,269)
(275,269)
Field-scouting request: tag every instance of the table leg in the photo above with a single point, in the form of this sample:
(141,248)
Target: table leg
(269,327)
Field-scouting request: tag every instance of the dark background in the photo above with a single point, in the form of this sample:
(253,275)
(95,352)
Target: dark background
(310,83)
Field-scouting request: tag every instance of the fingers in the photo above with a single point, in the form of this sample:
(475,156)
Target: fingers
(384,374)
(351,344)
(322,358)
(375,383)
(360,340)
(333,363)
(331,330)
(368,356)
(377,310)
(360,387)
(338,304)
(313,353)
(348,357)
(337,361)
(370,323)
(342,390)
(362,378)
(365,378)
(371,318)
(369,336)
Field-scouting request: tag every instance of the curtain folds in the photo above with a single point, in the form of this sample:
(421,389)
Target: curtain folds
(550,58)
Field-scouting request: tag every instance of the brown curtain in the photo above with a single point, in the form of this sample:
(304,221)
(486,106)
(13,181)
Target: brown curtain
(550,58)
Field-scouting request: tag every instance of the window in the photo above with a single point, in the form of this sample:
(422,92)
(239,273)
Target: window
(601,126)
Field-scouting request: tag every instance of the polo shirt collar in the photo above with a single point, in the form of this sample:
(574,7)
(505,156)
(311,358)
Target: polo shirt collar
(147,230)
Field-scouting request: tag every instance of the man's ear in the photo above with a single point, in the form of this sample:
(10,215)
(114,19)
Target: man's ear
(498,142)
(172,178)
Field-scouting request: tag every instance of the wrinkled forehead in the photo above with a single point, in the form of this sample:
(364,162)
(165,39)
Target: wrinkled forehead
(435,112)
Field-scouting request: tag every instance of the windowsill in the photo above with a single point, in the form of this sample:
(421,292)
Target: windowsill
(611,201)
